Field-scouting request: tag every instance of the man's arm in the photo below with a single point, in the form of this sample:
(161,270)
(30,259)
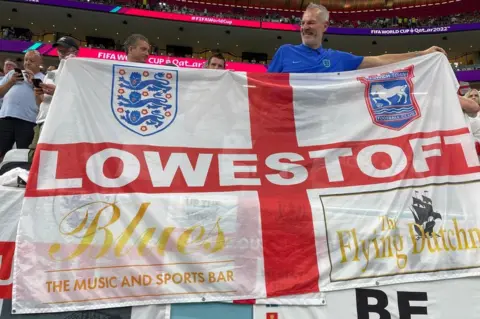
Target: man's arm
(9,81)
(7,85)
(380,60)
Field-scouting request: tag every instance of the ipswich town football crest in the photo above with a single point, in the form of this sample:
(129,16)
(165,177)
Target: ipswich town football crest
(390,98)
(144,100)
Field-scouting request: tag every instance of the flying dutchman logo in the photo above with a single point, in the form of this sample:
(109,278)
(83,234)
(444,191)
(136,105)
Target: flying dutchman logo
(415,234)
(144,100)
(422,210)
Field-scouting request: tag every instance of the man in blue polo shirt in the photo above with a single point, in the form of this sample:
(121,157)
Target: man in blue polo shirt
(310,57)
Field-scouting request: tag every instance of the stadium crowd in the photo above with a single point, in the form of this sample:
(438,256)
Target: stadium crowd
(26,93)
(11,33)
(270,16)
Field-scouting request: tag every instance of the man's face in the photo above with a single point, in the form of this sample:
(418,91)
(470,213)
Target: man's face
(217,64)
(9,66)
(312,29)
(32,62)
(139,52)
(64,52)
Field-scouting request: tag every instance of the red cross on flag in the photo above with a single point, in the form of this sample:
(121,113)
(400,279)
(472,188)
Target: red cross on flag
(10,207)
(161,185)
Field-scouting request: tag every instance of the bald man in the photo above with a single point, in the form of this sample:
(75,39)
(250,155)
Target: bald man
(19,110)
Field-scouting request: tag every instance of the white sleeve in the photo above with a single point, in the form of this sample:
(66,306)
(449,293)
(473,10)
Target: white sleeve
(475,127)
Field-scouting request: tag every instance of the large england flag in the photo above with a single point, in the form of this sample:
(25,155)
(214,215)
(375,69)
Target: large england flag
(165,185)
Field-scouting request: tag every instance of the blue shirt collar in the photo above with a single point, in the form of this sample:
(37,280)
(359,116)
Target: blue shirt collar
(319,50)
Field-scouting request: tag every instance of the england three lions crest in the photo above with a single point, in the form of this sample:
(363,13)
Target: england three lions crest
(144,100)
(390,98)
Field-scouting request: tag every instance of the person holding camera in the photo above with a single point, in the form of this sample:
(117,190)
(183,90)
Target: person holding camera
(19,110)
(8,65)
(67,48)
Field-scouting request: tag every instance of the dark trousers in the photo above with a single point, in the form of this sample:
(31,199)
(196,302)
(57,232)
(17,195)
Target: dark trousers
(13,130)
(37,131)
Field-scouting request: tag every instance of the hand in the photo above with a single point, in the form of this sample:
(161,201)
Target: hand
(48,88)
(38,91)
(16,78)
(433,50)
(28,75)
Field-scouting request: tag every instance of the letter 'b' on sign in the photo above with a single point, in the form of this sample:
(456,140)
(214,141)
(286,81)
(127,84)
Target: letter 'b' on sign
(405,309)
(364,308)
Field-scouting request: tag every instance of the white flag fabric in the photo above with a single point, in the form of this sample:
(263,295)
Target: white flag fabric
(156,185)
(11,199)
(10,207)
(151,312)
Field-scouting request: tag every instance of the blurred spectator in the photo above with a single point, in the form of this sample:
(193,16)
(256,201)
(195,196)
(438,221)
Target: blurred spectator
(8,33)
(216,61)
(137,48)
(67,48)
(19,110)
(474,95)
(469,106)
(12,33)
(8,66)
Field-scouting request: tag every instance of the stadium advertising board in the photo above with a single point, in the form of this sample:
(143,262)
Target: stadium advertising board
(251,23)
(47,49)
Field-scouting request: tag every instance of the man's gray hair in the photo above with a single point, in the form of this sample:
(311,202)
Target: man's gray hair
(34,52)
(132,40)
(9,61)
(323,11)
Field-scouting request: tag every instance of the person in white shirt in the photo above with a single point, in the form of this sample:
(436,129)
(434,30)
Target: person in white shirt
(473,94)
(8,65)
(67,48)
(19,110)
(474,119)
